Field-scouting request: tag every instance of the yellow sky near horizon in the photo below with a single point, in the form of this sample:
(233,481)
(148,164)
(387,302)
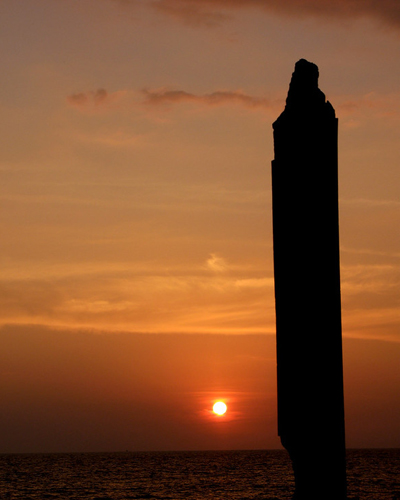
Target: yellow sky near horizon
(136,141)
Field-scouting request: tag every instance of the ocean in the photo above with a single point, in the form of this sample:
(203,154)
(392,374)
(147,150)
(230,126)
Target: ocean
(234,475)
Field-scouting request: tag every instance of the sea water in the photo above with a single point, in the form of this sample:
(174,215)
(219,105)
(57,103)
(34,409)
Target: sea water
(235,475)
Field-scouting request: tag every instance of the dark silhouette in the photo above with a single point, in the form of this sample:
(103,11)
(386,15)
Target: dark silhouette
(307,289)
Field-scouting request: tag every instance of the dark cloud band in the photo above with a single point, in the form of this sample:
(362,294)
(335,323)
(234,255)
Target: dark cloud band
(211,12)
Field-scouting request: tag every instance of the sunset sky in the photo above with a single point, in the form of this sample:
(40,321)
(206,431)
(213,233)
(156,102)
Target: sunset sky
(136,249)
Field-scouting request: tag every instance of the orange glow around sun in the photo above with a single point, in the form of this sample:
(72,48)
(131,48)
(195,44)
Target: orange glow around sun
(220,408)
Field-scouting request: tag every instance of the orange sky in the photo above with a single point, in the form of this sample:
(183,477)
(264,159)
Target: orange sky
(137,279)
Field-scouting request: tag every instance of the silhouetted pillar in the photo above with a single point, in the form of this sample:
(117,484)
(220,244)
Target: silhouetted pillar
(307,289)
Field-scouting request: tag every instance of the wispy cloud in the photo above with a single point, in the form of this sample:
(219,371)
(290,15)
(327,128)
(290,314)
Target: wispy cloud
(89,101)
(204,302)
(354,110)
(191,13)
(214,12)
(101,100)
(380,105)
(96,98)
(220,97)
(216,263)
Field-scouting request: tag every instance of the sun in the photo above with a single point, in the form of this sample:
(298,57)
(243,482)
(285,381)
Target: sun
(219,408)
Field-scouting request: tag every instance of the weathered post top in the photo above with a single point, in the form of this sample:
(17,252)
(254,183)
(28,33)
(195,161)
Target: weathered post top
(303,88)
(305,115)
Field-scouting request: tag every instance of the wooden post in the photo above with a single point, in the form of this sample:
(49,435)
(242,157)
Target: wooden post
(307,289)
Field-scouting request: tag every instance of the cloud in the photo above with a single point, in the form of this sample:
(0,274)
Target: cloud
(216,264)
(99,100)
(194,15)
(220,97)
(214,12)
(217,297)
(131,99)
(205,301)
(380,105)
(96,98)
(354,110)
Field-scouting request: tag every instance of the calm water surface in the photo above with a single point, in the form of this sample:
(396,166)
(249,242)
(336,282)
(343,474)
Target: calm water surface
(236,475)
